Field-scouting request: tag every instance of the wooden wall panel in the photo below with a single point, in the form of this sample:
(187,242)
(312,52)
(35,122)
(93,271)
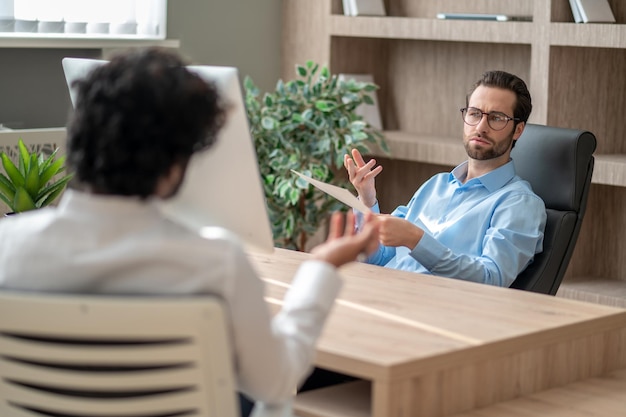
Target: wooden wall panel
(601,247)
(304,34)
(581,96)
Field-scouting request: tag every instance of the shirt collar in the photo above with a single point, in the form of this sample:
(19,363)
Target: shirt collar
(492,181)
(74,201)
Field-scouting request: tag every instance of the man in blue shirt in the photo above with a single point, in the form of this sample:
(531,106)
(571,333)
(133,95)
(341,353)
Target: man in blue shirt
(480,222)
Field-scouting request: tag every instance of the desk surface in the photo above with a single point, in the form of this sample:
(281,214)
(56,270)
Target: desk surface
(392,326)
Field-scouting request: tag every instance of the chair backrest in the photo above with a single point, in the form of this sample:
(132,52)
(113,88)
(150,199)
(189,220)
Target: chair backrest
(558,164)
(114,356)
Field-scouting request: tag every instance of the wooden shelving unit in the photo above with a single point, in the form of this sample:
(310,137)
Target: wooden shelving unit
(424,67)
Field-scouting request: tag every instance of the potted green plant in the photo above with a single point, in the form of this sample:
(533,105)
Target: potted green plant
(308,125)
(33,183)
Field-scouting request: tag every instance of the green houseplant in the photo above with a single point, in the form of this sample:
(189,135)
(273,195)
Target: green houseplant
(32,183)
(307,124)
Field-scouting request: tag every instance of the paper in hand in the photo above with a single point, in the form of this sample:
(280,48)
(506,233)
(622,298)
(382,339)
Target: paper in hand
(339,193)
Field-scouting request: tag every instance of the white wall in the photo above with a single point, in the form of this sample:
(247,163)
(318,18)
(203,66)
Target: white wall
(245,34)
(241,33)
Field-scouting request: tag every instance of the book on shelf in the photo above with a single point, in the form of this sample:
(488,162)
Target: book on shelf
(484,16)
(369,112)
(592,11)
(363,8)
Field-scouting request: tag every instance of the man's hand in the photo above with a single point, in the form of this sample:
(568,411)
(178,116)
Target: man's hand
(394,231)
(362,176)
(344,244)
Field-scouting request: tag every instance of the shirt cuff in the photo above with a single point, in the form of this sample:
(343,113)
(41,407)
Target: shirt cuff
(428,251)
(360,216)
(315,283)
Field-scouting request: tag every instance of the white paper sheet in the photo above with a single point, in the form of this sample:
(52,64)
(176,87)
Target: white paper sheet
(339,193)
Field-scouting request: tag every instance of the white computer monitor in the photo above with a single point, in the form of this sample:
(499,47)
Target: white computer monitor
(223,185)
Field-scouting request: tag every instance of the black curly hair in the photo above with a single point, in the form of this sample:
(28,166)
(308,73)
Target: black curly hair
(135,118)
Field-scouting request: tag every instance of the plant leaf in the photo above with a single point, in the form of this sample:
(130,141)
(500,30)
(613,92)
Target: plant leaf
(31,182)
(250,87)
(53,169)
(48,161)
(268,123)
(5,182)
(22,201)
(325,105)
(60,184)
(301,71)
(7,191)
(7,201)
(13,173)
(24,157)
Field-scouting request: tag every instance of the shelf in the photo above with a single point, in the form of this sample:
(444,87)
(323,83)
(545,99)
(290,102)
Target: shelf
(610,170)
(431,29)
(593,35)
(350,399)
(424,148)
(590,35)
(63,41)
(610,292)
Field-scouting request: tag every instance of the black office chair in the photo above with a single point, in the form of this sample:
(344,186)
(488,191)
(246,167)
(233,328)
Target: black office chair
(558,164)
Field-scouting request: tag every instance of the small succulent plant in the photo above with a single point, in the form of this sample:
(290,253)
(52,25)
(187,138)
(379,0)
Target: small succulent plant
(34,182)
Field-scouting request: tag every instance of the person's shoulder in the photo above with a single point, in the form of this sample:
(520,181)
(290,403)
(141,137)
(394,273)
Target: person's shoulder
(22,231)
(438,178)
(26,220)
(518,183)
(521,187)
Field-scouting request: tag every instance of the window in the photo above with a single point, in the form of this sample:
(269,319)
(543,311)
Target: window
(135,19)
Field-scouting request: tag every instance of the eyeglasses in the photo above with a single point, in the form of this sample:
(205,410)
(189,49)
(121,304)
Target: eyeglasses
(496,120)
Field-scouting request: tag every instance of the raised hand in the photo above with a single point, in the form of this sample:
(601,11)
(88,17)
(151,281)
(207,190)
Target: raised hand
(344,244)
(362,175)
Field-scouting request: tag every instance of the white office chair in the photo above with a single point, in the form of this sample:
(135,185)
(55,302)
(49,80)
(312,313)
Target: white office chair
(76,355)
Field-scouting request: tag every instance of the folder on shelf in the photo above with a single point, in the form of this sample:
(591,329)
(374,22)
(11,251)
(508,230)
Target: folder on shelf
(575,12)
(347,7)
(592,11)
(363,8)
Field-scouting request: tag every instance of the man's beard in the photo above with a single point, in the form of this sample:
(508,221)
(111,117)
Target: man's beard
(485,154)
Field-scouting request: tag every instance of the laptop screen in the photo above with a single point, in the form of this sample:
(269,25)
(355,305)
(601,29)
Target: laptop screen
(222,185)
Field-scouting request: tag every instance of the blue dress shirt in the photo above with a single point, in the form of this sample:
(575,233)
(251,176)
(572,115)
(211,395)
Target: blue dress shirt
(485,230)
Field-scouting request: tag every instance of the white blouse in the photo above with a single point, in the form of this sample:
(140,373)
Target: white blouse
(120,245)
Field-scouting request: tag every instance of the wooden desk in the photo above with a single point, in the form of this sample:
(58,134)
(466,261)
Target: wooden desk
(434,347)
